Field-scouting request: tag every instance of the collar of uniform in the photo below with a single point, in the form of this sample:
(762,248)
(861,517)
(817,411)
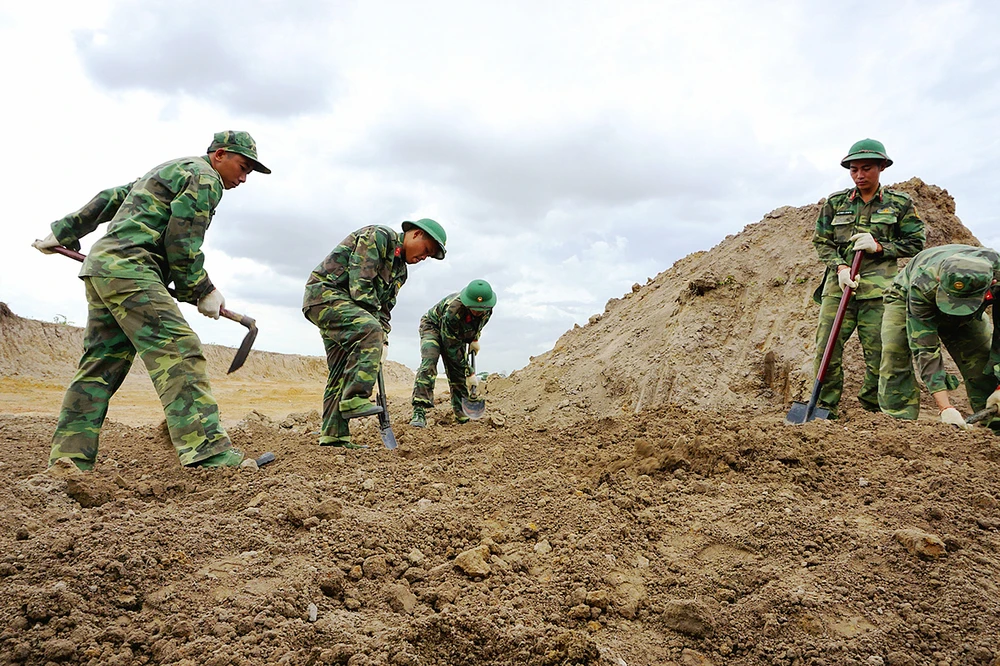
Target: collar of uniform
(855,193)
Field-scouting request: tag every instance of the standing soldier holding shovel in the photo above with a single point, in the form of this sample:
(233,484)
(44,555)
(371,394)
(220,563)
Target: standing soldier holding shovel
(884,225)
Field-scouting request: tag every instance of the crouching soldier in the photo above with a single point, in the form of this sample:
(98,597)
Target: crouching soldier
(940,297)
(457,320)
(350,297)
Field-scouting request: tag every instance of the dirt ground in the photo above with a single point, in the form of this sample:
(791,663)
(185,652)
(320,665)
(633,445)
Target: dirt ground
(630,498)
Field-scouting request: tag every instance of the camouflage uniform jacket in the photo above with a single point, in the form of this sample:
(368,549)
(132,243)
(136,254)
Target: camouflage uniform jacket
(917,284)
(456,324)
(367,268)
(890,217)
(157,226)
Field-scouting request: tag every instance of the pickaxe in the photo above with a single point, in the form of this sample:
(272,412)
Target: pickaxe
(241,353)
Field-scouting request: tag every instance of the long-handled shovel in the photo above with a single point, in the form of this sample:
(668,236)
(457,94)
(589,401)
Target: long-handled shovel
(249,323)
(473,406)
(388,437)
(800,411)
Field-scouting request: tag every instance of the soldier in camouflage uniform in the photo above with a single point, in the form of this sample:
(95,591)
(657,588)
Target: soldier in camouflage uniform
(157,226)
(884,224)
(940,297)
(458,319)
(350,297)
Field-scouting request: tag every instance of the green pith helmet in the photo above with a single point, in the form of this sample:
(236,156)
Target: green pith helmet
(478,295)
(866,149)
(964,281)
(433,229)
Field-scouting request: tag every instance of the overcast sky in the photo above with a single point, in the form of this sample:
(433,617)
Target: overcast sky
(570,149)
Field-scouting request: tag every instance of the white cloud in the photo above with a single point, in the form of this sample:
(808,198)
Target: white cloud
(569,148)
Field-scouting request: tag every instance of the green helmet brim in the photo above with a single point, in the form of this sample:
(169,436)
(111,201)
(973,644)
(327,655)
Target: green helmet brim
(865,155)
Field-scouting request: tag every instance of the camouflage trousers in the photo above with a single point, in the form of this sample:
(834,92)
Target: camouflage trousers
(353,340)
(128,317)
(433,346)
(967,339)
(866,317)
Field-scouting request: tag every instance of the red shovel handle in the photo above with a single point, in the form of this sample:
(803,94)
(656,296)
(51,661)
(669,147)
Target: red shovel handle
(66,252)
(838,320)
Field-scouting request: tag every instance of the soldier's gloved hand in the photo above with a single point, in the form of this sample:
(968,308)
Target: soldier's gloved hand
(844,278)
(45,244)
(472,383)
(865,242)
(994,399)
(954,417)
(474,346)
(210,304)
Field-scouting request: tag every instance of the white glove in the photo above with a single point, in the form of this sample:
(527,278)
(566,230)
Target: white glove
(844,278)
(210,304)
(865,241)
(474,346)
(994,399)
(472,383)
(46,243)
(954,417)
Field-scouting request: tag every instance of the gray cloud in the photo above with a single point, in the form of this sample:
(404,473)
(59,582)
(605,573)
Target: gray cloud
(257,58)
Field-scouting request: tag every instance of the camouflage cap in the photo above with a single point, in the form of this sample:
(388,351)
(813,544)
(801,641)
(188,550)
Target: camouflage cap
(240,143)
(964,280)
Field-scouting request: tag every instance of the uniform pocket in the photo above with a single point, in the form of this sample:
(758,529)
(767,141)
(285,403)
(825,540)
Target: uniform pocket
(883,226)
(843,228)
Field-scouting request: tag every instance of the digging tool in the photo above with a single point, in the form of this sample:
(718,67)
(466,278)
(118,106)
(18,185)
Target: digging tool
(802,412)
(248,322)
(472,406)
(982,414)
(388,438)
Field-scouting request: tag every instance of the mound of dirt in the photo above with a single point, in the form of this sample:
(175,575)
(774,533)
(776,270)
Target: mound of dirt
(729,328)
(676,537)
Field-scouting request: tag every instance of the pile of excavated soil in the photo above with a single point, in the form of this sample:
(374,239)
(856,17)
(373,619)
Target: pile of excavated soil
(611,523)
(731,327)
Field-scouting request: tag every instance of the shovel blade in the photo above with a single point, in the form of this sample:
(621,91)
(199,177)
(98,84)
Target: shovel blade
(388,438)
(799,413)
(474,409)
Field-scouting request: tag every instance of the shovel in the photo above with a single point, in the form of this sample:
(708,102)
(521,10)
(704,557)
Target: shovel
(250,324)
(388,438)
(802,412)
(472,406)
(981,414)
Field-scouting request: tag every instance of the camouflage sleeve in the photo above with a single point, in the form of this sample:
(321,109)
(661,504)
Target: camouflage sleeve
(911,235)
(452,345)
(387,305)
(826,248)
(925,343)
(190,214)
(482,323)
(102,208)
(362,268)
